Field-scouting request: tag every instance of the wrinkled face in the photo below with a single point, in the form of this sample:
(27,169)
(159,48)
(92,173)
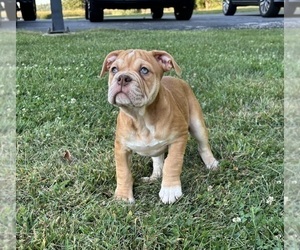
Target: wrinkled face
(133,79)
(134,76)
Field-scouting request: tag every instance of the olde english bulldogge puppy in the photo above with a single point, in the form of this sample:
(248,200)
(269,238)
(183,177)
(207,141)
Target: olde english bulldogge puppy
(156,115)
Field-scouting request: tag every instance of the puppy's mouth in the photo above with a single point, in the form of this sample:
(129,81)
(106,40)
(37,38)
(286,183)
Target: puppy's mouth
(121,99)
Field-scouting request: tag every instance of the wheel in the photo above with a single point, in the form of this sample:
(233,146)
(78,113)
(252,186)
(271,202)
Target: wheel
(95,13)
(10,9)
(229,9)
(184,12)
(268,8)
(157,12)
(28,10)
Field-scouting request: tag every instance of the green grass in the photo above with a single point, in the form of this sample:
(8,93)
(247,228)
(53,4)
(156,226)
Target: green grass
(237,76)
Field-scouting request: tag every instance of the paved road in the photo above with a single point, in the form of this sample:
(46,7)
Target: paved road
(168,22)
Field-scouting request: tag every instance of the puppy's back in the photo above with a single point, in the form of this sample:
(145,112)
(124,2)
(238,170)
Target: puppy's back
(178,88)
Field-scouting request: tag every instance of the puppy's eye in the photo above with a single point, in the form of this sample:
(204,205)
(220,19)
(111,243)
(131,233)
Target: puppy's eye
(114,70)
(144,71)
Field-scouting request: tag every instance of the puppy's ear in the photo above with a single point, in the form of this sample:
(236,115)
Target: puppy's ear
(166,61)
(109,59)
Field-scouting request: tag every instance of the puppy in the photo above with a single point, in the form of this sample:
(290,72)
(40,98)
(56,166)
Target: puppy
(156,115)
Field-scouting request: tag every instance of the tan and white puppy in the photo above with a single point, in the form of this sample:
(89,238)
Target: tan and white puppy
(156,115)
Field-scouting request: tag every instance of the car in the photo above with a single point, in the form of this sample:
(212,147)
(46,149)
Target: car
(267,8)
(183,9)
(27,8)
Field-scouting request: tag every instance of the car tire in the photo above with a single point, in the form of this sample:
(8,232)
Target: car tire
(28,10)
(184,12)
(228,8)
(95,12)
(268,8)
(157,12)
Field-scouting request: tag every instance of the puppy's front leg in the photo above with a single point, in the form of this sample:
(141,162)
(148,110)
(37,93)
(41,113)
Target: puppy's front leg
(124,177)
(171,185)
(158,163)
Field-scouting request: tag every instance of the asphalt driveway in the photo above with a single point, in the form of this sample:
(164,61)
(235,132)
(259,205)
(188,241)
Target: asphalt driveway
(168,22)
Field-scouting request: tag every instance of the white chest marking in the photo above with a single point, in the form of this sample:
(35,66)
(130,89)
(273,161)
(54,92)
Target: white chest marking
(146,147)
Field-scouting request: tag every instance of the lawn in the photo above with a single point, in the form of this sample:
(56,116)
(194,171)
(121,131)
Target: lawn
(237,75)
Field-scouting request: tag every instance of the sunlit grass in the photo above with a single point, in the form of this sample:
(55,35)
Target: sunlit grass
(237,75)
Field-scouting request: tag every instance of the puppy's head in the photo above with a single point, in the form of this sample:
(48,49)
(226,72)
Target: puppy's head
(135,75)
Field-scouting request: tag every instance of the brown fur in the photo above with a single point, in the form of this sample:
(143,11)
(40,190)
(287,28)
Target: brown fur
(156,115)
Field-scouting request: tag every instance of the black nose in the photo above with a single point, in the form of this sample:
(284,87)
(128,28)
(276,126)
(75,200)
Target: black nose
(124,79)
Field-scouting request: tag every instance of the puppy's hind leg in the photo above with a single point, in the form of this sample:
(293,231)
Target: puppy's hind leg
(158,163)
(199,131)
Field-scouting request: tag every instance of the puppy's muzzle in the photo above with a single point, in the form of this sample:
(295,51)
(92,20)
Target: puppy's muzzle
(123,80)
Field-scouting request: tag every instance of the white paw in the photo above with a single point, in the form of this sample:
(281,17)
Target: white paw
(213,165)
(149,179)
(169,195)
(152,178)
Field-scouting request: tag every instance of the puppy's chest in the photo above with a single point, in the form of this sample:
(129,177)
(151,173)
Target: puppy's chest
(146,143)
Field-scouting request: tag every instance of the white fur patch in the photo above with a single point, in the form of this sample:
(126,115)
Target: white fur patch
(169,195)
(131,53)
(158,163)
(147,148)
(149,179)
(213,165)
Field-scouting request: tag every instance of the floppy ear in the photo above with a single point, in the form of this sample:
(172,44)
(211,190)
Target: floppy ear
(166,61)
(109,59)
